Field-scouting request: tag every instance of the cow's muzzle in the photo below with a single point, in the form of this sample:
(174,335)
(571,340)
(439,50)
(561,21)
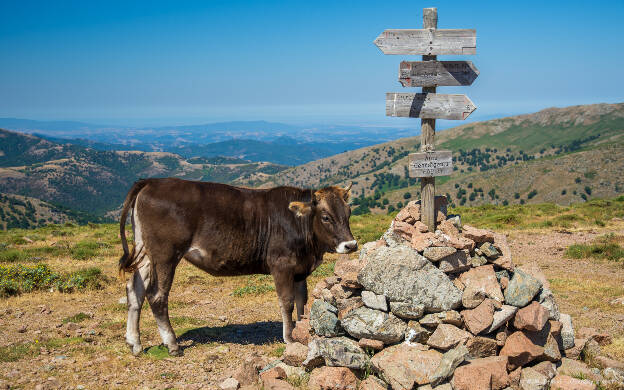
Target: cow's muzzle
(347,247)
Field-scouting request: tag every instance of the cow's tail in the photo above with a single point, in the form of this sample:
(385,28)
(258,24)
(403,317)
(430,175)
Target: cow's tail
(127,259)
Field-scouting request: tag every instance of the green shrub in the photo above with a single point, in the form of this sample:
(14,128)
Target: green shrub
(605,247)
(17,279)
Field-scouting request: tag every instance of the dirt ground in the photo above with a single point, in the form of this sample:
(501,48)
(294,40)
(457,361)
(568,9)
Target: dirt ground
(222,321)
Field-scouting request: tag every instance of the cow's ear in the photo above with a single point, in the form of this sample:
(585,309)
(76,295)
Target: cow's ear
(347,192)
(300,209)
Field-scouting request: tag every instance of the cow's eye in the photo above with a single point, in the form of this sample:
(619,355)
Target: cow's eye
(325,218)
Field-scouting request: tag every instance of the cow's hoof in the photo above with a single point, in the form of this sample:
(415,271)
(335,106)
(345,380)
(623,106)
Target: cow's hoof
(175,352)
(136,349)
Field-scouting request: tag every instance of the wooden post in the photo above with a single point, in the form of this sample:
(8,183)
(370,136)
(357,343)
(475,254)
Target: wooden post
(427,138)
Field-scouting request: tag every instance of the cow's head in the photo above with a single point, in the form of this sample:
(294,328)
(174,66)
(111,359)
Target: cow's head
(330,214)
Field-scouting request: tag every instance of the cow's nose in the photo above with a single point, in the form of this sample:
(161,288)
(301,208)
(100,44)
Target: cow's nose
(351,246)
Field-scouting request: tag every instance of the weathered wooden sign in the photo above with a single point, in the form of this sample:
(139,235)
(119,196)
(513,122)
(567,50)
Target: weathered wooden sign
(428,41)
(428,105)
(430,164)
(437,73)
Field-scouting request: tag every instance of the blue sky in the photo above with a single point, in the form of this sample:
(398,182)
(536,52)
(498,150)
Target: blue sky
(145,63)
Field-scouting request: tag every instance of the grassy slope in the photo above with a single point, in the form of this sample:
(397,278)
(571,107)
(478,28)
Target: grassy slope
(539,136)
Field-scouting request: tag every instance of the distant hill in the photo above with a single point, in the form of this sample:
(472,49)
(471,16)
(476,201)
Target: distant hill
(518,154)
(95,181)
(23,212)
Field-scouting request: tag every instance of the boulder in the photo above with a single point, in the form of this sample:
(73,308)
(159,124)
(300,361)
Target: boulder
(416,333)
(478,261)
(450,361)
(446,317)
(364,322)
(370,344)
(472,296)
(407,311)
(567,331)
(345,306)
(324,320)
(448,336)
(483,278)
(276,384)
(402,366)
(547,369)
(477,235)
(449,228)
(460,242)
(504,260)
(301,332)
(564,382)
(421,241)
(336,352)
(531,379)
(332,378)
(547,299)
(522,289)
(437,253)
(457,262)
(501,316)
(347,270)
(373,383)
(489,250)
(294,354)
(576,368)
(480,374)
(374,301)
(401,274)
(520,349)
(229,384)
(480,318)
(532,317)
(480,347)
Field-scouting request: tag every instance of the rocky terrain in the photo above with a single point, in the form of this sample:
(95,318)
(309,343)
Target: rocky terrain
(444,310)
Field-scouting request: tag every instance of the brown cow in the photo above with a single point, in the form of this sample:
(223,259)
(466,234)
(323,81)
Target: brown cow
(227,231)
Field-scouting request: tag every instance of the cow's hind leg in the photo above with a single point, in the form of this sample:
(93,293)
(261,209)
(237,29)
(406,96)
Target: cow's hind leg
(158,298)
(301,297)
(135,292)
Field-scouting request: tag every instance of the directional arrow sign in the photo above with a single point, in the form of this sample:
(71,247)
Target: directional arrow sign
(428,105)
(437,73)
(428,42)
(428,164)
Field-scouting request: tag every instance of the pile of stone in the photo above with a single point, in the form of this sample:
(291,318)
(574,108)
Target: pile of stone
(443,310)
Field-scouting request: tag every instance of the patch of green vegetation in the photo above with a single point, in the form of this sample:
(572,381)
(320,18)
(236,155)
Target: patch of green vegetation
(366,228)
(278,351)
(255,285)
(84,250)
(158,352)
(17,279)
(325,269)
(76,318)
(605,247)
(15,352)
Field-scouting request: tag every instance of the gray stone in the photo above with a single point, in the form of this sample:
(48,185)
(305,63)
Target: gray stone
(391,238)
(450,361)
(457,262)
(407,311)
(416,333)
(401,274)
(374,301)
(364,322)
(446,317)
(336,352)
(456,220)
(531,379)
(229,384)
(567,331)
(489,250)
(324,320)
(522,289)
(478,261)
(437,253)
(501,316)
(366,248)
(502,274)
(547,299)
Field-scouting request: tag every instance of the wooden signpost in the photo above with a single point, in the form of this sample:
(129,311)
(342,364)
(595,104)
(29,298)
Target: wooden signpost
(428,105)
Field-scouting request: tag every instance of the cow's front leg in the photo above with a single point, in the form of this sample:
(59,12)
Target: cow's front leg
(301,297)
(285,288)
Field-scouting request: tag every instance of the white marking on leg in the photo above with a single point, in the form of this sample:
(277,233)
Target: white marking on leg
(342,247)
(287,323)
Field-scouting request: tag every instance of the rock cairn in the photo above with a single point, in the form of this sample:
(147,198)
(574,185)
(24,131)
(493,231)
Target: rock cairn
(443,310)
